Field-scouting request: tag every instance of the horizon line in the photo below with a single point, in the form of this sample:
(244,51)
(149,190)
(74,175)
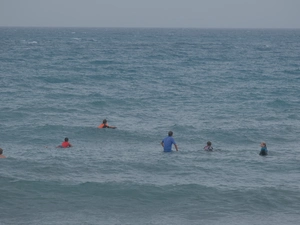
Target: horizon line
(116,27)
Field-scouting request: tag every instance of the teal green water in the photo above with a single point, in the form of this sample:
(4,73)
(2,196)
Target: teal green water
(235,88)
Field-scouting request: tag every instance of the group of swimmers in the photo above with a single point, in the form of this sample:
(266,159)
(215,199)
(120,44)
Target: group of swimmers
(166,143)
(67,144)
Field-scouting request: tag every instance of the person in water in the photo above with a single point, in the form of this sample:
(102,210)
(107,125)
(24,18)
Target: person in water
(168,141)
(1,154)
(65,144)
(263,150)
(105,125)
(208,147)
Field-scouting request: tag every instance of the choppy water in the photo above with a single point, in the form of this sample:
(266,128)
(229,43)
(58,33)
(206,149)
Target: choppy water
(235,88)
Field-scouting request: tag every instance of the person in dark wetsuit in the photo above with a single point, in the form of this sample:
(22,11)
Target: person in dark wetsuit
(263,150)
(105,125)
(1,154)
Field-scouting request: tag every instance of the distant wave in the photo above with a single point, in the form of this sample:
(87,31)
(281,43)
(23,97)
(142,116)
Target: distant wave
(76,39)
(32,42)
(102,62)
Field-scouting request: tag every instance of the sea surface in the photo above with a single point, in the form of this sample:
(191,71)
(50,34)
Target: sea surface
(235,88)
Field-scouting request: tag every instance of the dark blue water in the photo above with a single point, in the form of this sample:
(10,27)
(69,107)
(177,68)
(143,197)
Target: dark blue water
(235,88)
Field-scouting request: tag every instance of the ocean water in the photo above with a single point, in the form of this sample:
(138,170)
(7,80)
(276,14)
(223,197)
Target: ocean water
(235,88)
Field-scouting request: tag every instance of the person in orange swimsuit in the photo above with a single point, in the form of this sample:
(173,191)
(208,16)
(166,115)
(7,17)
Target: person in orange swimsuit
(104,124)
(65,144)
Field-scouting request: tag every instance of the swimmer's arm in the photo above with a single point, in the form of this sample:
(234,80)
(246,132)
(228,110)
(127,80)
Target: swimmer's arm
(162,144)
(176,147)
(112,127)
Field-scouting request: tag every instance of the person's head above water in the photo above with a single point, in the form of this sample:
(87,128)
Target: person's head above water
(66,139)
(170,133)
(263,144)
(1,151)
(104,121)
(208,143)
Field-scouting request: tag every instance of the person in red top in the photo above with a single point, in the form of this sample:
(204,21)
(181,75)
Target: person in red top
(65,144)
(105,125)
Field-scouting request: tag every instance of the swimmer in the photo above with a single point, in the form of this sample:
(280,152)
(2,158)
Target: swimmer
(167,143)
(105,125)
(208,147)
(1,152)
(263,150)
(65,144)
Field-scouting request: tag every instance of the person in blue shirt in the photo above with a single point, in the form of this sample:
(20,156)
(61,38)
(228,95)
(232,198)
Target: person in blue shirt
(263,150)
(167,143)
